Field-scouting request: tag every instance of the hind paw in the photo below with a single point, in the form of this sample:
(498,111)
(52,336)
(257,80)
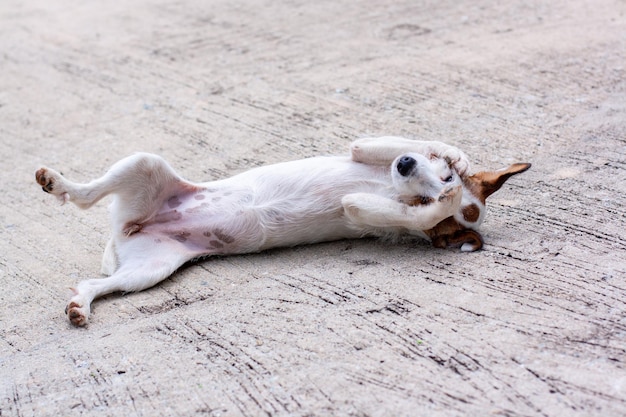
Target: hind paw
(52,182)
(77,314)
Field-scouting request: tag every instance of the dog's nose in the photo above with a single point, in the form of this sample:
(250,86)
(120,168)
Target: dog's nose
(405,165)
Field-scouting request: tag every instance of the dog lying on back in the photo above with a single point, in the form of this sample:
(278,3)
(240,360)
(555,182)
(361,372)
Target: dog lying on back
(389,186)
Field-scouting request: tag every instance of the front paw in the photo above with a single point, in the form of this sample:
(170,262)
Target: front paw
(453,156)
(457,160)
(367,152)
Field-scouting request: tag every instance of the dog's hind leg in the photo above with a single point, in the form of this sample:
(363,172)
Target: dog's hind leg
(140,183)
(125,279)
(384,150)
(140,176)
(138,272)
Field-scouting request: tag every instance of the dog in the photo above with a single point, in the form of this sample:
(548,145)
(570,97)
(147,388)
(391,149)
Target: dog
(387,187)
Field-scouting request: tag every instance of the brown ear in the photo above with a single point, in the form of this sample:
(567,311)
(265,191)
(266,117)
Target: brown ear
(449,233)
(485,183)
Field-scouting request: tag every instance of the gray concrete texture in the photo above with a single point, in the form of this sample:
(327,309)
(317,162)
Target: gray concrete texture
(533,325)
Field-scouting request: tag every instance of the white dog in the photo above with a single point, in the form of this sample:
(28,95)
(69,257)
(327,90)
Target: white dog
(389,186)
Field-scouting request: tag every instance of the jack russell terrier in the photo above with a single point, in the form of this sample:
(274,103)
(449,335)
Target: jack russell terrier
(388,187)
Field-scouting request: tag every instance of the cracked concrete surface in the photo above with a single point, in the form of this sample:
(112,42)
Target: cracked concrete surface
(533,325)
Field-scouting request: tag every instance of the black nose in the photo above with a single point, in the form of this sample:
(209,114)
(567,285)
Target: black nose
(405,165)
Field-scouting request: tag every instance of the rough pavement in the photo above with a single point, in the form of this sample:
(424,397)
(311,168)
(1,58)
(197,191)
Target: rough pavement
(533,325)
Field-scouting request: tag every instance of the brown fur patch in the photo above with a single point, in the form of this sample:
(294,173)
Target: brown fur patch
(450,233)
(471,213)
(464,236)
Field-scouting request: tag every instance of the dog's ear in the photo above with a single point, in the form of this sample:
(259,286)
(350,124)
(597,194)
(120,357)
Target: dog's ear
(450,233)
(485,183)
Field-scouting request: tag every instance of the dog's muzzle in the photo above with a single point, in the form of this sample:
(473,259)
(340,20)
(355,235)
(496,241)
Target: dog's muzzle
(406,165)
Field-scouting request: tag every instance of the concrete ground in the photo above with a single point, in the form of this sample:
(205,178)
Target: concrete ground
(533,325)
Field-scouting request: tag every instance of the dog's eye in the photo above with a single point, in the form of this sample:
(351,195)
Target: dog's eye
(449,179)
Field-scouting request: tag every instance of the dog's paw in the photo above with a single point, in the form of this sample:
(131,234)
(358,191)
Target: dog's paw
(454,156)
(51,182)
(366,152)
(76,312)
(457,160)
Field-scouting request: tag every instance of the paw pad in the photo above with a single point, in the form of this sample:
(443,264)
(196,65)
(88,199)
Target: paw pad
(43,179)
(75,314)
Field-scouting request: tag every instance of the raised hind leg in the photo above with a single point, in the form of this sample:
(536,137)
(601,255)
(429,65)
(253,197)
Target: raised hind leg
(141,183)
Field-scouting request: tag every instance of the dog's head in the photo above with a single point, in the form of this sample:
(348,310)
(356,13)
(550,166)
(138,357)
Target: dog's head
(459,230)
(420,180)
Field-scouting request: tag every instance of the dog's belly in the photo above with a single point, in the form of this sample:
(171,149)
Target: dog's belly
(285,204)
(209,220)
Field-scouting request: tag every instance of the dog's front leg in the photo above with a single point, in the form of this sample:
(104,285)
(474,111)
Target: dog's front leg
(375,211)
(384,150)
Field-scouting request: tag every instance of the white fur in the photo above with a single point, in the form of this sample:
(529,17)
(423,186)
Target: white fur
(160,221)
